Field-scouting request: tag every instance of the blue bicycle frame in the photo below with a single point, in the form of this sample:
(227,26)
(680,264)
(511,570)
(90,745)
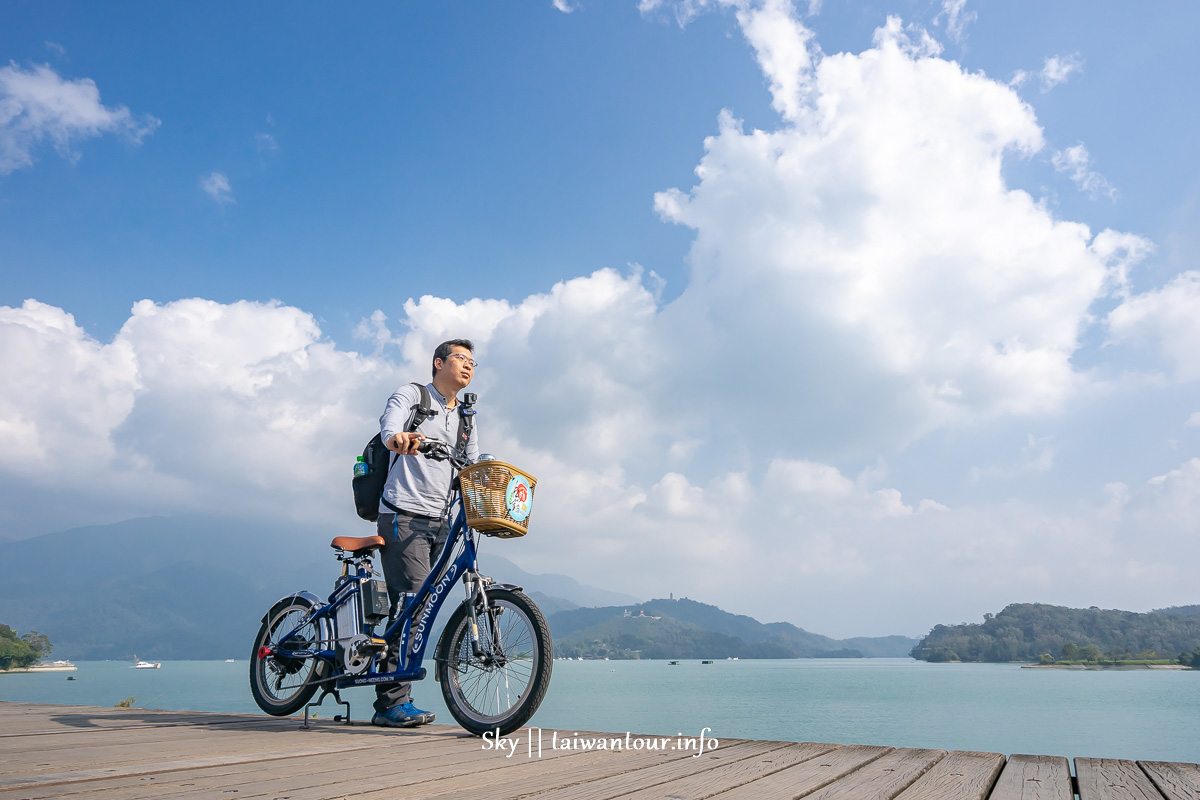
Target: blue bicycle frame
(429,597)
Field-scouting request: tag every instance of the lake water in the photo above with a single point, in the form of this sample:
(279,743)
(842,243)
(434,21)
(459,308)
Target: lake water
(1138,714)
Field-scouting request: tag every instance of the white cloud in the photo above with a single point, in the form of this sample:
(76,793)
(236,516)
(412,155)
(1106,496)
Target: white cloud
(875,236)
(784,47)
(1036,456)
(56,48)
(1120,252)
(37,105)
(1058,69)
(265,143)
(807,477)
(1167,319)
(564,6)
(957,19)
(1194,420)
(194,405)
(63,390)
(216,185)
(1077,162)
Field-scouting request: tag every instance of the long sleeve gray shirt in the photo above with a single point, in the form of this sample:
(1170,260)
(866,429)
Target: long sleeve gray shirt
(416,483)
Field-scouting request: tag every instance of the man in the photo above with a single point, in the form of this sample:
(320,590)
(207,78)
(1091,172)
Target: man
(413,506)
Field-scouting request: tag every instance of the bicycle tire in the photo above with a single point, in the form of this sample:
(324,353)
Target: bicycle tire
(502,696)
(292,678)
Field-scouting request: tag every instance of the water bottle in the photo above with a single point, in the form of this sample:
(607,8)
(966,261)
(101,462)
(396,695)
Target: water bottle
(361,467)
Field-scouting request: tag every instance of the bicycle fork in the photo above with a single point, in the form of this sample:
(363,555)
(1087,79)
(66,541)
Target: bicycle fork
(477,597)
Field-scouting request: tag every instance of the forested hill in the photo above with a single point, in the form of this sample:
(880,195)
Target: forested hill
(1025,631)
(684,628)
(1182,611)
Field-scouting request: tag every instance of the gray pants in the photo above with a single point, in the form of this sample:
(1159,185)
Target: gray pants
(411,546)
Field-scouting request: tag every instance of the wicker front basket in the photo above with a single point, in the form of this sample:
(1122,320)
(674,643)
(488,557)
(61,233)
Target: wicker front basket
(497,498)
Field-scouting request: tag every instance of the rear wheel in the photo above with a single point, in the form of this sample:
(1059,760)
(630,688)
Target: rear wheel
(282,686)
(504,685)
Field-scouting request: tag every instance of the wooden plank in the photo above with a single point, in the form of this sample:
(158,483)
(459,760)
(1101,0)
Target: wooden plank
(460,762)
(301,769)
(398,778)
(653,776)
(883,778)
(730,776)
(35,767)
(1034,778)
(1175,781)
(1113,779)
(807,777)
(60,767)
(962,775)
(27,719)
(515,781)
(511,784)
(114,738)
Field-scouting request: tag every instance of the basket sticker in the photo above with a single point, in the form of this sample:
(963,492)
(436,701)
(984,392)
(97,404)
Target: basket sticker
(518,497)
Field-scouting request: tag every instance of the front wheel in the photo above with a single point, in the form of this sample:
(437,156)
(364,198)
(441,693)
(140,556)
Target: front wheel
(282,686)
(503,685)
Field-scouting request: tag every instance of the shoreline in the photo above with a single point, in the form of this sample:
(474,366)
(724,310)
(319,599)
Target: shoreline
(1105,666)
(71,668)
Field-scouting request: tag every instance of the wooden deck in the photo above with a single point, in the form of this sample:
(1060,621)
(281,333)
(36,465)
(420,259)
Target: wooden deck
(132,754)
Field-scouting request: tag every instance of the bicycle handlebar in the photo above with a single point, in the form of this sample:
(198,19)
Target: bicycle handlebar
(440,450)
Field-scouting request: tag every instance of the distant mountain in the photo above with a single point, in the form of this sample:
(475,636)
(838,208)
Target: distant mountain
(657,637)
(191,587)
(1025,631)
(688,629)
(165,588)
(550,604)
(550,584)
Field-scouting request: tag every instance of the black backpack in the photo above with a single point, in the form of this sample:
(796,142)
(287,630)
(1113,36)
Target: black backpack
(368,488)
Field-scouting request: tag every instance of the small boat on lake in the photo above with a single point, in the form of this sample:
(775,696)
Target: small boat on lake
(146,664)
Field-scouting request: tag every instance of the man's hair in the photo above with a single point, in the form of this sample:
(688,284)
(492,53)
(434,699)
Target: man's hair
(443,350)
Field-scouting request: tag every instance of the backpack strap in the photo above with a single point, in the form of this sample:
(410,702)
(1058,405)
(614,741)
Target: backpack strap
(421,411)
(466,424)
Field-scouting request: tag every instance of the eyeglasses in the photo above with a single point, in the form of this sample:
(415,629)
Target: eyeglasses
(465,359)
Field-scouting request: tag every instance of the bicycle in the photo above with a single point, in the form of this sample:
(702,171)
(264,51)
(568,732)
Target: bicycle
(494,657)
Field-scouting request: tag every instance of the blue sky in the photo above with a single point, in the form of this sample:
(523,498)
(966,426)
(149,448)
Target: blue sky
(878,332)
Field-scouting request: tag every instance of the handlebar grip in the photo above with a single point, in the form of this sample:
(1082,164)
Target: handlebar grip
(434,448)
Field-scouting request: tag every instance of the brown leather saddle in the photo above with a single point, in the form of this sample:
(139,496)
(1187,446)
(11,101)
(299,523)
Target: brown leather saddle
(357,545)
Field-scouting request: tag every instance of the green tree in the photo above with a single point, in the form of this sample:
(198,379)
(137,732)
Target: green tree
(20,652)
(1090,652)
(1023,631)
(39,643)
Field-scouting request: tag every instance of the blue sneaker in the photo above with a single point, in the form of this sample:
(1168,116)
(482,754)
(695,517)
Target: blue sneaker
(405,715)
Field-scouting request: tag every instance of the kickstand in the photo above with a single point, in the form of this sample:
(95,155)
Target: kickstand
(327,690)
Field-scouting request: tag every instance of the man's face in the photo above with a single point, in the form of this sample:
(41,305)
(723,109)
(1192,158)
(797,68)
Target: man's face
(457,367)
